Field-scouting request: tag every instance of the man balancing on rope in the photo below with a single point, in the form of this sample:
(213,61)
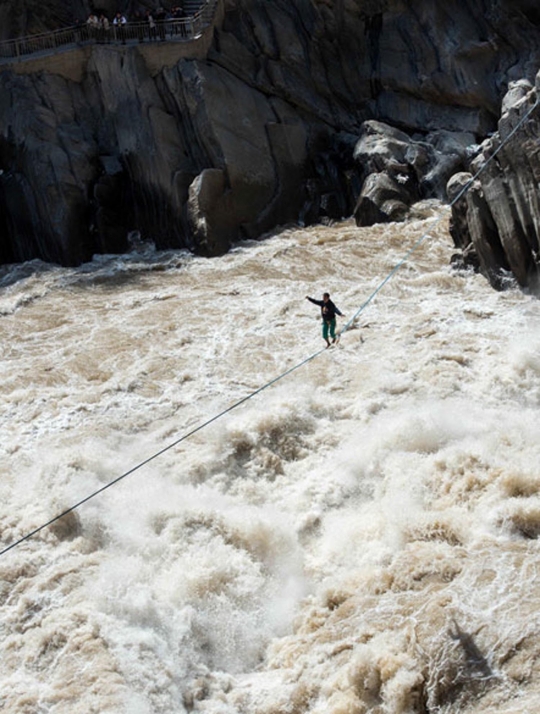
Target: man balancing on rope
(328,313)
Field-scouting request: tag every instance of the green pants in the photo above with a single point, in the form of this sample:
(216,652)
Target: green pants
(329,325)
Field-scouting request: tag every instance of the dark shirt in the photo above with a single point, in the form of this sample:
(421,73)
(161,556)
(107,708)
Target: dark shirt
(328,309)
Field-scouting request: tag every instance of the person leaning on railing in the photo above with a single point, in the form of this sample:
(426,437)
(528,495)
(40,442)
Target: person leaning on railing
(93,25)
(139,23)
(151,25)
(120,23)
(160,17)
(179,25)
(104,28)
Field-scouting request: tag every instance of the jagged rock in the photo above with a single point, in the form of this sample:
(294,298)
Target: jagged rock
(459,228)
(516,92)
(208,211)
(485,237)
(501,213)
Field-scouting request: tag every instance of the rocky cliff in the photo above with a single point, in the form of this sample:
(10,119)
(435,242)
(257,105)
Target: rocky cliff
(286,110)
(496,220)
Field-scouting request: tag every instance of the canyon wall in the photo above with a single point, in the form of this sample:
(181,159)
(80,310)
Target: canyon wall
(283,111)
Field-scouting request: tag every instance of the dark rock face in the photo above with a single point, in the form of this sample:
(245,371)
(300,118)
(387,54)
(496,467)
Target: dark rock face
(497,222)
(273,122)
(26,17)
(46,163)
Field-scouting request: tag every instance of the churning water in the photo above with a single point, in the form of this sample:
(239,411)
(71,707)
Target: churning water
(361,536)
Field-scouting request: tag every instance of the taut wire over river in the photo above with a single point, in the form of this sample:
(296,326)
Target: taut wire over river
(361,537)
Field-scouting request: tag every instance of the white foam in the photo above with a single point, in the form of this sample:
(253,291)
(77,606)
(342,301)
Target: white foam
(318,544)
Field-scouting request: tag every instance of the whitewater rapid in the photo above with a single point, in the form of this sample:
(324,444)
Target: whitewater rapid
(360,536)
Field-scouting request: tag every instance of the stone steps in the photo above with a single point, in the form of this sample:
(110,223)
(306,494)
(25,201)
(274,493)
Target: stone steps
(192,7)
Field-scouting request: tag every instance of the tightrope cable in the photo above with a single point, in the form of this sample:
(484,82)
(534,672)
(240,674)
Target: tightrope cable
(162,451)
(287,372)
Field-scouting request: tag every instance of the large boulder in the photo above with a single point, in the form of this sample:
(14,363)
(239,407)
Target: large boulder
(381,200)
(401,170)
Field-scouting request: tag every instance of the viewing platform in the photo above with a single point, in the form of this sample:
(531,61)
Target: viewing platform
(185,31)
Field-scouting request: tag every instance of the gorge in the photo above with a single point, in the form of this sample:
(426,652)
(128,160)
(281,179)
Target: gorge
(277,113)
(362,537)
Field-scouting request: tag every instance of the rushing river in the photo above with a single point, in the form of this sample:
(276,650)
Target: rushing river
(359,537)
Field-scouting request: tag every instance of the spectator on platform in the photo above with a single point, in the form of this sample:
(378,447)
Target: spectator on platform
(160,18)
(104,28)
(120,23)
(119,19)
(151,25)
(139,21)
(93,25)
(177,14)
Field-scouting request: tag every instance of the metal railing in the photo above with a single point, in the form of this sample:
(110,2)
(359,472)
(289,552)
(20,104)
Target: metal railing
(172,30)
